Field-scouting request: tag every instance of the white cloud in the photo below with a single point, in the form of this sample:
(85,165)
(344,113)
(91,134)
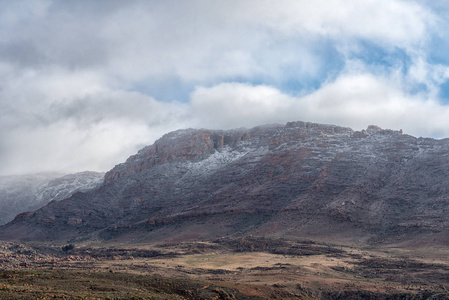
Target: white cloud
(204,40)
(65,146)
(354,100)
(78,79)
(79,129)
(397,23)
(431,75)
(230,105)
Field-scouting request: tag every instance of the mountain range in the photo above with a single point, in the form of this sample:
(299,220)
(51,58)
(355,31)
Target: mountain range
(298,179)
(30,192)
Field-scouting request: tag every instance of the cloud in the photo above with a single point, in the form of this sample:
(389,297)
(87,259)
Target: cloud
(397,23)
(354,100)
(84,84)
(199,40)
(70,123)
(231,105)
(81,135)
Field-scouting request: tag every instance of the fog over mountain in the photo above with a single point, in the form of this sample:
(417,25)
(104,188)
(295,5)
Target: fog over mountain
(85,84)
(23,193)
(299,179)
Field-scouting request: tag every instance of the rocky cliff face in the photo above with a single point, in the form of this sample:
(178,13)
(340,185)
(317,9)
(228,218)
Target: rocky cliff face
(195,145)
(30,192)
(299,179)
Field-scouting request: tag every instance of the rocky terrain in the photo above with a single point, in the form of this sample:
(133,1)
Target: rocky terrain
(23,193)
(244,268)
(299,179)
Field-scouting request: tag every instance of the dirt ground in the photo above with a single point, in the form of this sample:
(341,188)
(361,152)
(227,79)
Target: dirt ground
(239,268)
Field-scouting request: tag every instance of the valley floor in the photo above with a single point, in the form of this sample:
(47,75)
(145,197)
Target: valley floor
(247,268)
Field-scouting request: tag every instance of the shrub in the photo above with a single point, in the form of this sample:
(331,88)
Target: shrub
(68,247)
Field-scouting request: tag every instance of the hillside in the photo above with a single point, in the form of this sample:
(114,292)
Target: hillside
(300,179)
(23,193)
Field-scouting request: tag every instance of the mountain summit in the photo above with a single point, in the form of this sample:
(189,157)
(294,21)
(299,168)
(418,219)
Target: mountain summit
(300,179)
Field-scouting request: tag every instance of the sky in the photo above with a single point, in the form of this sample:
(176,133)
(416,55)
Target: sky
(85,84)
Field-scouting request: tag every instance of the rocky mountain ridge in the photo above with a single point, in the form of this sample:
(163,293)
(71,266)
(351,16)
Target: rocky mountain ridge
(194,145)
(299,179)
(30,192)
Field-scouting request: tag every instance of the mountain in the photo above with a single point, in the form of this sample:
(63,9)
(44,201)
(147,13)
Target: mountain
(300,179)
(30,192)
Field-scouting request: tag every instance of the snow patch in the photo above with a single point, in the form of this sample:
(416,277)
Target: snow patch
(219,159)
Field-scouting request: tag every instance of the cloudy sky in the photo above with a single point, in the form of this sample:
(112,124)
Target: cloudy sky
(85,84)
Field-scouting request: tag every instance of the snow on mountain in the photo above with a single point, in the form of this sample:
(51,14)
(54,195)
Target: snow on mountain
(300,179)
(30,192)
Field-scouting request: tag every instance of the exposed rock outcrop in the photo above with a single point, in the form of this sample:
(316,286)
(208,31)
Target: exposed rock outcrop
(299,179)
